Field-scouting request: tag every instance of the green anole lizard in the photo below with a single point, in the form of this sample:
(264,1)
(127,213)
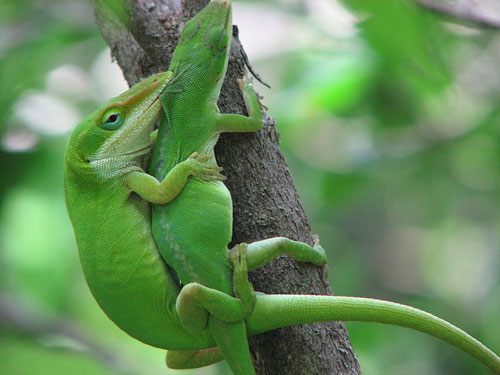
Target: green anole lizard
(107,194)
(193,230)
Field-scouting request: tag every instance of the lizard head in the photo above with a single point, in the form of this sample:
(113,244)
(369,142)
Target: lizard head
(118,134)
(204,43)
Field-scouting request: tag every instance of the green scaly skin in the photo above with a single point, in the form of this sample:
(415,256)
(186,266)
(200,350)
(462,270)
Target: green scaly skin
(108,195)
(104,183)
(193,230)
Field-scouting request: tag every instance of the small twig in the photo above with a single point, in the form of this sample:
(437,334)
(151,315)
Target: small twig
(246,60)
(469,15)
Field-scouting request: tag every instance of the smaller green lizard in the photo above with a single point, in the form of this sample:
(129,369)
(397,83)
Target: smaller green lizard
(193,230)
(108,195)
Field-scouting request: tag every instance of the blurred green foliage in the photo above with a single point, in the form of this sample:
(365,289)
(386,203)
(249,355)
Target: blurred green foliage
(391,130)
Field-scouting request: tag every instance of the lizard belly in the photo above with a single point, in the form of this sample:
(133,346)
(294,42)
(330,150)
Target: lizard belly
(128,279)
(193,231)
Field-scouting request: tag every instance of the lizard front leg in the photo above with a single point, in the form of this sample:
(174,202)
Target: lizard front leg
(239,123)
(154,191)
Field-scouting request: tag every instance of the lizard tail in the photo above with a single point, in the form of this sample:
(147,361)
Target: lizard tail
(276,311)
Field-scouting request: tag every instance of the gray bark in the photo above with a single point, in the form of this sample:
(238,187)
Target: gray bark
(266,203)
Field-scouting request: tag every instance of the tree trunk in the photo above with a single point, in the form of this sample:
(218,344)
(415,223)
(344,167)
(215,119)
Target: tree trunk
(265,201)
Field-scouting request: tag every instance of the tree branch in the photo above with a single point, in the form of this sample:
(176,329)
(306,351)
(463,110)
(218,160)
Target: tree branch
(265,201)
(462,14)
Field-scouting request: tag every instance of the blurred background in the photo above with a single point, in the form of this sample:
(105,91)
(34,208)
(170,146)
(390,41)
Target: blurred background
(389,117)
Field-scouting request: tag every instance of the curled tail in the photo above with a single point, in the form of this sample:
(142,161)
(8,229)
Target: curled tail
(275,311)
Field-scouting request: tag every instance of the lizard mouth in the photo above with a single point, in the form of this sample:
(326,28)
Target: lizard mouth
(156,124)
(153,106)
(125,155)
(157,86)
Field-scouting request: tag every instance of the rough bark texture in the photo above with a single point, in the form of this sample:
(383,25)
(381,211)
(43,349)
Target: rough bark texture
(265,201)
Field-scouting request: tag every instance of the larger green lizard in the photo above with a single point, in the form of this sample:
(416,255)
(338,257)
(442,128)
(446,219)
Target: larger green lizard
(107,194)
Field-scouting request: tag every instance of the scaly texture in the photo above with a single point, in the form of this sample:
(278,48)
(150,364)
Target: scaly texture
(107,194)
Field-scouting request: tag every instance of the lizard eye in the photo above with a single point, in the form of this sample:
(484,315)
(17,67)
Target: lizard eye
(112,119)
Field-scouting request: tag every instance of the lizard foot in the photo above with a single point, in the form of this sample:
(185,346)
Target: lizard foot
(319,249)
(242,288)
(246,86)
(205,168)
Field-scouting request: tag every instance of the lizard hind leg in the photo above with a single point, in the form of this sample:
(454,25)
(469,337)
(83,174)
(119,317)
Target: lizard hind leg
(232,340)
(262,252)
(200,307)
(196,302)
(242,288)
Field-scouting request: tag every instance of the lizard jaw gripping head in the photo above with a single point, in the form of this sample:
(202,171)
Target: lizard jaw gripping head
(118,134)
(206,40)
